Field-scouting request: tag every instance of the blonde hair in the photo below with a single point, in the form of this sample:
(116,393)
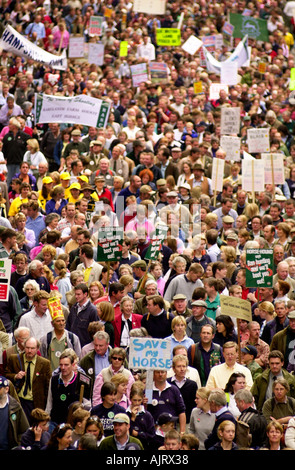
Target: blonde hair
(107,311)
(61,266)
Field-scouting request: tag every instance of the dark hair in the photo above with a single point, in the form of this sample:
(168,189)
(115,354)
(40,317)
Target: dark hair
(58,432)
(108,388)
(229,388)
(116,287)
(227,322)
(82,286)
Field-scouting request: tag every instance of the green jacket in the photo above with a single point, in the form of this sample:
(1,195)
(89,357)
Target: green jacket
(260,385)
(18,422)
(109,443)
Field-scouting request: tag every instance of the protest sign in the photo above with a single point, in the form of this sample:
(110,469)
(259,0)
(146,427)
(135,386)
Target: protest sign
(217,176)
(156,242)
(123,49)
(139,74)
(80,109)
(109,243)
(151,7)
(19,45)
(76,47)
(95,26)
(292,79)
(259,268)
(5,274)
(158,72)
(168,37)
(230,121)
(229,73)
(274,168)
(55,307)
(254,27)
(214,90)
(95,53)
(198,88)
(252,175)
(192,45)
(258,140)
(231,145)
(150,354)
(236,307)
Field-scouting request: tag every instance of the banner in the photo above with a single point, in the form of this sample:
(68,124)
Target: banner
(259,268)
(80,109)
(240,55)
(14,42)
(168,37)
(254,27)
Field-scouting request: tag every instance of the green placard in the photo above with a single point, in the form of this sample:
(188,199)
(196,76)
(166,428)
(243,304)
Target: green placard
(168,37)
(247,25)
(156,243)
(109,244)
(259,268)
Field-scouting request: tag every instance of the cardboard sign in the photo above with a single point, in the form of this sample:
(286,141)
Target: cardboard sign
(259,268)
(217,174)
(252,175)
(95,53)
(229,73)
(214,90)
(76,47)
(236,307)
(151,7)
(192,45)
(168,37)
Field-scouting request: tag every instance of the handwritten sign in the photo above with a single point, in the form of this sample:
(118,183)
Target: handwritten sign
(274,168)
(95,25)
(76,47)
(252,175)
(150,354)
(96,54)
(259,268)
(217,174)
(214,90)
(231,145)
(258,140)
(230,121)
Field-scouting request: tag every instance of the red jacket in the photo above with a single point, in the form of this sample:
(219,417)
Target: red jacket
(117,324)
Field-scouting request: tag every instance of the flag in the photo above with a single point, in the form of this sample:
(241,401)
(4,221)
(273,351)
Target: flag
(240,54)
(255,28)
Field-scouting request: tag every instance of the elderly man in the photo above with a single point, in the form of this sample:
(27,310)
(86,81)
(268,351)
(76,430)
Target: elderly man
(261,346)
(9,110)
(36,272)
(38,319)
(198,320)
(280,322)
(185,283)
(283,275)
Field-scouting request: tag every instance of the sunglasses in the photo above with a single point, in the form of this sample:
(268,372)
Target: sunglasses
(117,358)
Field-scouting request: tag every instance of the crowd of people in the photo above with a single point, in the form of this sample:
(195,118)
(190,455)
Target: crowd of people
(65,378)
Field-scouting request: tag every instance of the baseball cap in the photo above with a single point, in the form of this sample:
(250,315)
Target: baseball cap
(121,418)
(65,176)
(3,382)
(251,349)
(165,418)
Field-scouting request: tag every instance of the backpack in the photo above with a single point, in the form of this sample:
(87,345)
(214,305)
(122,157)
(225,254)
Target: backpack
(243,436)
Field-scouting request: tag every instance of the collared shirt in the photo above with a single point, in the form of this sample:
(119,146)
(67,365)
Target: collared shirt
(219,375)
(29,395)
(101,362)
(39,325)
(119,445)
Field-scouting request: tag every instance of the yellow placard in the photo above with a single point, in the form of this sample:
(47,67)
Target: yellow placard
(55,308)
(262,67)
(236,307)
(123,49)
(168,37)
(108,12)
(198,87)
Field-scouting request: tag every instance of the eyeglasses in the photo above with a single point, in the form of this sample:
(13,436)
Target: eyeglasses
(116,358)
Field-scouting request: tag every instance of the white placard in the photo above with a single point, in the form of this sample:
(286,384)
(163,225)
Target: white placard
(258,140)
(274,170)
(214,90)
(139,74)
(230,121)
(95,53)
(231,145)
(151,7)
(217,174)
(192,45)
(253,175)
(76,47)
(229,73)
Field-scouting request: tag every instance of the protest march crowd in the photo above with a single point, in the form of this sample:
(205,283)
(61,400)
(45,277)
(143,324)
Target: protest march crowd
(141,227)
